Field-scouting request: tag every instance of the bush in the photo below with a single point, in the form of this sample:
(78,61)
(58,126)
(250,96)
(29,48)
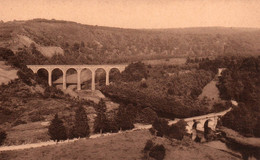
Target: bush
(149,144)
(161,126)
(3,136)
(157,152)
(148,115)
(81,127)
(134,72)
(57,130)
(177,130)
(6,53)
(52,92)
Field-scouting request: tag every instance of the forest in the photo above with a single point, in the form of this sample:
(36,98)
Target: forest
(171,91)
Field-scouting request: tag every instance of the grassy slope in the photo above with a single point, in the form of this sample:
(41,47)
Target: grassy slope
(6,73)
(127,146)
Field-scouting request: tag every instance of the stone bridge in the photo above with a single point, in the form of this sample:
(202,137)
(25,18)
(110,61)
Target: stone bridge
(199,122)
(78,68)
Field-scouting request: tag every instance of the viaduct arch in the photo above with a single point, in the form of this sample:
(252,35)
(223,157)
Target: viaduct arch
(78,68)
(209,120)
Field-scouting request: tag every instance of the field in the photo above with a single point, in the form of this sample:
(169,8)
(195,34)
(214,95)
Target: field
(127,146)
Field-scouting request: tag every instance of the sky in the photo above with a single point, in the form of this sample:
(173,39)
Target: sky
(138,13)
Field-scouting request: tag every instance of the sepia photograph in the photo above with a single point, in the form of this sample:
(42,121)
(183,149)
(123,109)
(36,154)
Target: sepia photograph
(130,80)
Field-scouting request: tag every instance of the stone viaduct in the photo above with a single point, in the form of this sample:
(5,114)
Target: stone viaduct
(78,68)
(200,121)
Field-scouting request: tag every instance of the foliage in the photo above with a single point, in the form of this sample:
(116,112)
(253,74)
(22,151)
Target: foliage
(52,92)
(6,53)
(134,72)
(149,144)
(57,130)
(101,123)
(178,130)
(157,152)
(81,127)
(3,136)
(257,128)
(168,96)
(218,107)
(124,119)
(161,126)
(148,115)
(241,82)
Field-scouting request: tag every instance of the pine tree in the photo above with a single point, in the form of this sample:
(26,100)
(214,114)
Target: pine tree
(81,127)
(57,130)
(124,119)
(101,122)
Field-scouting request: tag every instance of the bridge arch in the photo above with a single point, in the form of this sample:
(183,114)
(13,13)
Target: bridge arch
(101,75)
(114,74)
(86,78)
(42,73)
(78,68)
(56,73)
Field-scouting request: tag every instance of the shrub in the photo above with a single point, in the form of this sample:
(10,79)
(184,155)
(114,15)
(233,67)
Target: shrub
(134,72)
(161,126)
(81,127)
(177,130)
(57,130)
(3,136)
(6,53)
(52,92)
(157,152)
(149,144)
(148,115)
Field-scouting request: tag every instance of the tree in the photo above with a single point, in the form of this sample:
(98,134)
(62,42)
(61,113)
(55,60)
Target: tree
(178,130)
(57,130)
(101,122)
(124,119)
(161,125)
(81,127)
(2,136)
(157,152)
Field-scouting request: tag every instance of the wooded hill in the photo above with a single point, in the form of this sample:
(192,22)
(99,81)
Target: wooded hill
(90,44)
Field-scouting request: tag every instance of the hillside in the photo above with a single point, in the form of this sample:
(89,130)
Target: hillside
(6,73)
(90,44)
